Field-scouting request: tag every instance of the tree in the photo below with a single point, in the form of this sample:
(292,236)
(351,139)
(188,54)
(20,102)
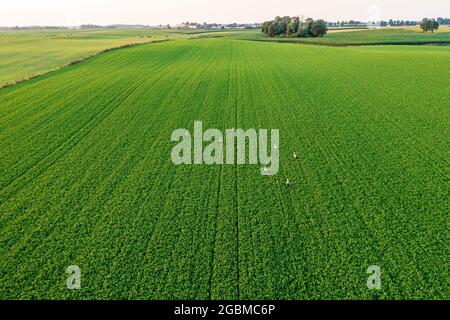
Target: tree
(295,24)
(272,32)
(319,28)
(429,25)
(424,25)
(290,29)
(434,25)
(307,27)
(265,27)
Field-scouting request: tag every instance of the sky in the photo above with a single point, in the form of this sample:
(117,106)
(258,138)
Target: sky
(155,12)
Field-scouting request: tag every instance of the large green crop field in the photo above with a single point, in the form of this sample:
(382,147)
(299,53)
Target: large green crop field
(87,179)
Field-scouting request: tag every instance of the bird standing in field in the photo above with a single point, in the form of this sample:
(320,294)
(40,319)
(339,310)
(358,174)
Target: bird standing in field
(295,156)
(287,183)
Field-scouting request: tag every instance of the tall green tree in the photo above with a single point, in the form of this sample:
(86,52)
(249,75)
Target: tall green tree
(319,28)
(434,25)
(429,25)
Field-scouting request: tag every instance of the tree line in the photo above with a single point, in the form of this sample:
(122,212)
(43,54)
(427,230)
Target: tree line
(187,24)
(294,27)
(401,23)
(350,23)
(443,20)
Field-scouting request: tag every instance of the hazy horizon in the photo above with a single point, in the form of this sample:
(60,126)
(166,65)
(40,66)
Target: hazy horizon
(103,12)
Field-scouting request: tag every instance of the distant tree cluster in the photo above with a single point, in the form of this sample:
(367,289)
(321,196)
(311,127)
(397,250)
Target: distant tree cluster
(383,23)
(429,25)
(294,27)
(445,21)
(402,23)
(208,26)
(347,24)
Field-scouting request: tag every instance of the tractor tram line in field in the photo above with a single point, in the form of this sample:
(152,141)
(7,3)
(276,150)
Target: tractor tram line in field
(236,171)
(88,178)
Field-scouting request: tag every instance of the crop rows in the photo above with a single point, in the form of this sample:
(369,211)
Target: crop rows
(87,179)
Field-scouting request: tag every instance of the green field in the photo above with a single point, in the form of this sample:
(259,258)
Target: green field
(26,53)
(87,179)
(361,37)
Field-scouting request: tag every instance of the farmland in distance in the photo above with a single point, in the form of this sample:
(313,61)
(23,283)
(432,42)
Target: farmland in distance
(28,53)
(354,37)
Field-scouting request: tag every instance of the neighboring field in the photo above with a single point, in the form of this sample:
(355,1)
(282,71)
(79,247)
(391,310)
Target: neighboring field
(86,175)
(442,28)
(360,37)
(25,53)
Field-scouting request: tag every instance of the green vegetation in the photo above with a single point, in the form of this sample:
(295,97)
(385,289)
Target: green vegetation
(87,177)
(388,36)
(27,53)
(429,25)
(294,27)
